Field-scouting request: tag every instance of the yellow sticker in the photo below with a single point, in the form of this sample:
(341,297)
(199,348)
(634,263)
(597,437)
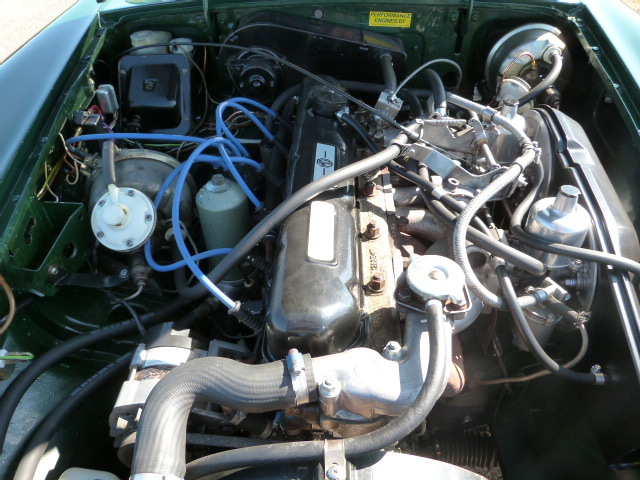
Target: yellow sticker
(390,19)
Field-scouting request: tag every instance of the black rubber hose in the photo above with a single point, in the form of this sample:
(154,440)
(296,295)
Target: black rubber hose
(360,130)
(291,204)
(412,100)
(487,242)
(585,254)
(511,299)
(524,206)
(280,102)
(477,203)
(492,113)
(313,451)
(40,439)
(616,261)
(199,313)
(483,238)
(389,74)
(109,163)
(277,161)
(480,235)
(161,438)
(21,383)
(430,187)
(376,88)
(552,76)
(439,93)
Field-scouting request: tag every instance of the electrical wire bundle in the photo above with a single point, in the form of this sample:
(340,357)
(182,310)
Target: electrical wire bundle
(230,152)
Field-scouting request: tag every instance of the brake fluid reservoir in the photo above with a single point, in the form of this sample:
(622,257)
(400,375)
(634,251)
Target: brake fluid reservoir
(223,209)
(559,220)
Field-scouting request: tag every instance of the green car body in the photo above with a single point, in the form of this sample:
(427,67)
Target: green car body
(42,241)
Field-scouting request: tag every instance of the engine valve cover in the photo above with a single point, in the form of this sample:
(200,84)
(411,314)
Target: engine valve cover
(316,294)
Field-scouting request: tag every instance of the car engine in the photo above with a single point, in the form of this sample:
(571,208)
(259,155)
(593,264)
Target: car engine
(288,247)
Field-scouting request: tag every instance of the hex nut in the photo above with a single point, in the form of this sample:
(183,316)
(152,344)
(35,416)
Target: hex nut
(369,189)
(373,230)
(378,283)
(392,351)
(330,387)
(451,184)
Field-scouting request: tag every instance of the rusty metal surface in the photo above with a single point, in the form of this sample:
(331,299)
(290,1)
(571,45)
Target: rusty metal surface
(381,262)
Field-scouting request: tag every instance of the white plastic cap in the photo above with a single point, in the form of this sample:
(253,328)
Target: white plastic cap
(85,474)
(186,50)
(115,215)
(123,219)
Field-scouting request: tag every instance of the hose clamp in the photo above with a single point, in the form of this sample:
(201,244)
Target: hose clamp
(487,113)
(478,131)
(600,379)
(343,111)
(402,146)
(596,371)
(297,370)
(335,463)
(439,192)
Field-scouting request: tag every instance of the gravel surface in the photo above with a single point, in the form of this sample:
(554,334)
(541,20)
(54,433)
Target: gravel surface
(21,20)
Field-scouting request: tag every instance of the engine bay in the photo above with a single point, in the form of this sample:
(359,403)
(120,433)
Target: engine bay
(277,244)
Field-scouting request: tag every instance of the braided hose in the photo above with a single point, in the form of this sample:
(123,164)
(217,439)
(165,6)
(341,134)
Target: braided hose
(460,232)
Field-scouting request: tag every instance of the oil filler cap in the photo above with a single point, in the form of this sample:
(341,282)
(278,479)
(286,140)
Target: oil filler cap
(432,277)
(123,219)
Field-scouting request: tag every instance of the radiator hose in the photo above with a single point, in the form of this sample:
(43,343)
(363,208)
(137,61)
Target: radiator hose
(161,438)
(394,431)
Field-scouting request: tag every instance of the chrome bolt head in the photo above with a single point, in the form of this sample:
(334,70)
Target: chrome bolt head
(392,351)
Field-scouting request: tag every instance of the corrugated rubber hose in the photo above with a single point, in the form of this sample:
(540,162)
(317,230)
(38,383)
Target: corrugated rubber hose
(395,430)
(460,233)
(161,439)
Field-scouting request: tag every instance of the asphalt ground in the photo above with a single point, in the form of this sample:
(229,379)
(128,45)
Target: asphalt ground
(21,20)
